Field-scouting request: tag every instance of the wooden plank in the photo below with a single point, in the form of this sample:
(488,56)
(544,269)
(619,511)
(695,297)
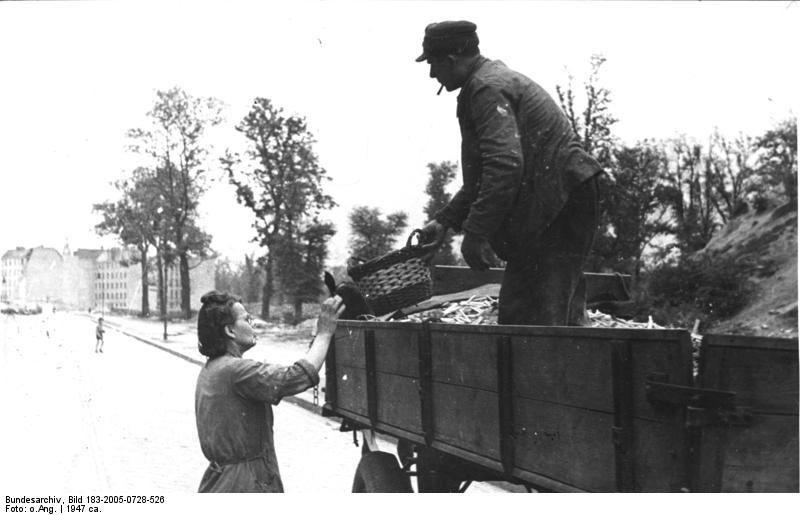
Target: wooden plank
(764,379)
(351,387)
(660,452)
(577,371)
(575,446)
(760,458)
(670,359)
(465,359)
(467,418)
(331,398)
(571,445)
(350,346)
(369,363)
(622,381)
(755,342)
(397,351)
(505,397)
(398,402)
(563,370)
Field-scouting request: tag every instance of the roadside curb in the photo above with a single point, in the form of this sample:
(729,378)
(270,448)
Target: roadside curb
(297,401)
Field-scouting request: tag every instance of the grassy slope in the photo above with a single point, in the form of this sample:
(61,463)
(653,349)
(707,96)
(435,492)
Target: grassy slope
(768,242)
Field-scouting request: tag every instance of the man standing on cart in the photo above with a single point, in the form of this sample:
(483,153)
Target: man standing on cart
(529,188)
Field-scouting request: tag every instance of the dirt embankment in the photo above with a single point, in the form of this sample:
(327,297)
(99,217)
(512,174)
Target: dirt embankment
(767,243)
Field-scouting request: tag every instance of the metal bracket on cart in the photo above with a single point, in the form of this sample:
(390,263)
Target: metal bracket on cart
(704,406)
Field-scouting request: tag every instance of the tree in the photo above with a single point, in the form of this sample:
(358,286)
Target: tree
(280,180)
(728,173)
(593,127)
(300,264)
(244,280)
(179,123)
(134,220)
(777,160)
(688,191)
(440,176)
(640,214)
(371,236)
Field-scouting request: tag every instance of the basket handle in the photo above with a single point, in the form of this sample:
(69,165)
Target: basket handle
(431,248)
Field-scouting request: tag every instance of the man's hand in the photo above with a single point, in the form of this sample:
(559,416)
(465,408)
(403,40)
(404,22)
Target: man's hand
(476,251)
(434,232)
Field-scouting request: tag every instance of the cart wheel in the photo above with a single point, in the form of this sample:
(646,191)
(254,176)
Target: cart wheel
(379,472)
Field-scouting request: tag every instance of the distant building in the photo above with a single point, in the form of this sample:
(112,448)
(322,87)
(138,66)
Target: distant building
(41,276)
(117,285)
(11,266)
(78,278)
(103,280)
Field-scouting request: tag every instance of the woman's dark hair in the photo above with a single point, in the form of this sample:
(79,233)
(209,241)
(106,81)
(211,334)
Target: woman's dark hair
(215,313)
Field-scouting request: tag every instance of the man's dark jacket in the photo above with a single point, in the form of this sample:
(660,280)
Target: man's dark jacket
(520,160)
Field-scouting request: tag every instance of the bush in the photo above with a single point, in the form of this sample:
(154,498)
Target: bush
(705,289)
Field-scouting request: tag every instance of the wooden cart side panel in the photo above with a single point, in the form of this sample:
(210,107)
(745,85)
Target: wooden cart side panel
(661,455)
(467,418)
(577,371)
(577,376)
(351,387)
(398,402)
(465,359)
(349,347)
(762,455)
(763,378)
(670,361)
(570,444)
(396,351)
(566,371)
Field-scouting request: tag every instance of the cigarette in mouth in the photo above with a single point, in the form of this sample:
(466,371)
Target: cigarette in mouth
(440,89)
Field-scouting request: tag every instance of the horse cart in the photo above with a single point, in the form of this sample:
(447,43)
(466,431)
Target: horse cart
(564,409)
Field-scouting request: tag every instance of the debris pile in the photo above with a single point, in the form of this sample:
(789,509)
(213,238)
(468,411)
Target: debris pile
(482,310)
(600,319)
(475,310)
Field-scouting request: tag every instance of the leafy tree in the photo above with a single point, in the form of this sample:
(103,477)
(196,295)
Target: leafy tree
(592,121)
(244,280)
(440,176)
(777,160)
(300,264)
(280,180)
(728,173)
(175,142)
(688,190)
(372,236)
(593,125)
(226,278)
(639,215)
(135,220)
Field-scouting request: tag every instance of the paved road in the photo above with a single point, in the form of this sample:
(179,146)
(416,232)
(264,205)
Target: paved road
(123,421)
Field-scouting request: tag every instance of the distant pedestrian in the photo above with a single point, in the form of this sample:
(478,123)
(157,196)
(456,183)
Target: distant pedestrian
(234,395)
(98,333)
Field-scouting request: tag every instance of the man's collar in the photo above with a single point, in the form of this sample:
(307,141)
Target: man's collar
(480,61)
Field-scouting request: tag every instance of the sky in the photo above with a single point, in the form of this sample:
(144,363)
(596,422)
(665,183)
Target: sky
(77,75)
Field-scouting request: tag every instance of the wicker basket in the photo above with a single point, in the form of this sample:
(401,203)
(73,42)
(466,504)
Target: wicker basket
(395,280)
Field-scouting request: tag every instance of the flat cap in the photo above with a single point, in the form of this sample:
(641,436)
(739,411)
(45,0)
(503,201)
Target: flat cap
(448,37)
